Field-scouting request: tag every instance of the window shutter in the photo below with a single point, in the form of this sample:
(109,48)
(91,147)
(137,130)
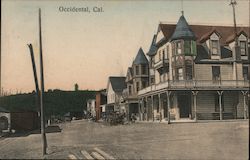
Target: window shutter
(193,48)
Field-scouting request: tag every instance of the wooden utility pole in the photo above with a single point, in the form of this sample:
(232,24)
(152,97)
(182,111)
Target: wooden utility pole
(44,141)
(236,56)
(233,3)
(35,77)
(0,62)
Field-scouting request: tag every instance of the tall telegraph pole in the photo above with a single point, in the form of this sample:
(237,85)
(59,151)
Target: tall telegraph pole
(236,54)
(44,141)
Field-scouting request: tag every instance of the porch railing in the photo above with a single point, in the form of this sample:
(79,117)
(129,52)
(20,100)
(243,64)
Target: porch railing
(192,84)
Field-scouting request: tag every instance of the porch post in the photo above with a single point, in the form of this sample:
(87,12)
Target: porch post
(195,104)
(244,103)
(142,109)
(147,106)
(220,95)
(160,106)
(168,99)
(139,108)
(152,102)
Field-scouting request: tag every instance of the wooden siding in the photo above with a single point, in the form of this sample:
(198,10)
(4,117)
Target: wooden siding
(230,101)
(205,102)
(226,71)
(203,71)
(206,105)
(240,107)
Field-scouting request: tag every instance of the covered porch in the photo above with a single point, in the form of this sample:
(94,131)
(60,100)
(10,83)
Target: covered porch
(193,105)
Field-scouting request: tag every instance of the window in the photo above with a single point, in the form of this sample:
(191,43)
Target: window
(245,73)
(216,73)
(137,70)
(130,89)
(144,69)
(243,47)
(180,73)
(187,47)
(215,47)
(178,47)
(137,86)
(144,84)
(163,54)
(160,55)
(189,72)
(217,102)
(152,80)
(167,52)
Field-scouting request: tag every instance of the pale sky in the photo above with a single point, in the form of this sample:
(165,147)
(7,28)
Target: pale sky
(87,48)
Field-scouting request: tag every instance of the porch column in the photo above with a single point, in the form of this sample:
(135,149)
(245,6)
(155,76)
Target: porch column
(152,102)
(195,104)
(142,109)
(220,95)
(244,103)
(160,106)
(147,106)
(168,98)
(139,109)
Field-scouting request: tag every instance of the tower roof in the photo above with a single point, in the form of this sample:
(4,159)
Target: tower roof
(140,58)
(153,49)
(183,31)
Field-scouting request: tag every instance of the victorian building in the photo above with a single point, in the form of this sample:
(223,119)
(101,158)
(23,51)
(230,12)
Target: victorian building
(195,72)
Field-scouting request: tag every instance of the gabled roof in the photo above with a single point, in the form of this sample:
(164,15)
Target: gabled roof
(118,83)
(200,30)
(4,110)
(140,58)
(183,31)
(153,49)
(207,36)
(232,36)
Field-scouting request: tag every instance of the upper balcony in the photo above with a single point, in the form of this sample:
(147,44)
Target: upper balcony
(161,63)
(196,85)
(127,95)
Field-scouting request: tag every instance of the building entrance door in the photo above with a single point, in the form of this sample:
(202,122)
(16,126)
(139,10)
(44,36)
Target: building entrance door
(184,105)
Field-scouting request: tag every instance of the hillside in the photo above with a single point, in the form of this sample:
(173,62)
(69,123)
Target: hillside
(56,102)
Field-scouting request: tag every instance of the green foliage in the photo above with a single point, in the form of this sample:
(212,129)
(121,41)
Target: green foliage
(56,102)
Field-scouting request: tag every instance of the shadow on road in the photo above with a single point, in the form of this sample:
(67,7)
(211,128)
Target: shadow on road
(49,129)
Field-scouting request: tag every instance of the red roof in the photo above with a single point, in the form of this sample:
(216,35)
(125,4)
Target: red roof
(203,32)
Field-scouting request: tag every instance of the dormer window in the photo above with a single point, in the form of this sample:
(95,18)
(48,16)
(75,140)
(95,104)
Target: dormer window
(215,47)
(243,48)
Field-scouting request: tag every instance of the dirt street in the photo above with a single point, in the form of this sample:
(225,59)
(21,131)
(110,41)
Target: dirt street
(210,140)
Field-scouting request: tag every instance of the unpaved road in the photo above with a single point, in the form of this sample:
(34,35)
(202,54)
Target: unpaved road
(212,140)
